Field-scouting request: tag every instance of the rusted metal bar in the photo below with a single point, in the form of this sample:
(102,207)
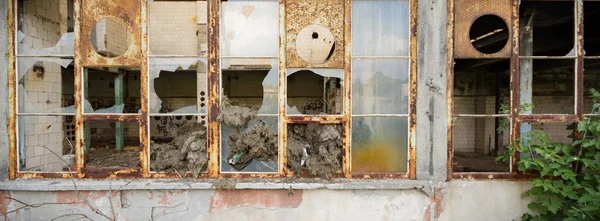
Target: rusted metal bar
(281,100)
(60,175)
(495,176)
(547,118)
(412,112)
(78,78)
(579,87)
(114,118)
(450,85)
(315,119)
(515,82)
(12,88)
(213,133)
(481,115)
(548,57)
(144,122)
(381,176)
(346,137)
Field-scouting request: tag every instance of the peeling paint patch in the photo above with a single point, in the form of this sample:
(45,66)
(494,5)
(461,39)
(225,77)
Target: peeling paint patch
(4,201)
(71,197)
(227,199)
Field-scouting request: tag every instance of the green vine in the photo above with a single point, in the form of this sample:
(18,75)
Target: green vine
(568,187)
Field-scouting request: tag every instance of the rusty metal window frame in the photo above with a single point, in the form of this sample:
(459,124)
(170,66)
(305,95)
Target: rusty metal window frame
(82,59)
(516,118)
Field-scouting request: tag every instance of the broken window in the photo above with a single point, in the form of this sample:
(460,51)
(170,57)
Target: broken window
(591,38)
(314,91)
(111,90)
(591,80)
(541,19)
(477,143)
(111,146)
(315,149)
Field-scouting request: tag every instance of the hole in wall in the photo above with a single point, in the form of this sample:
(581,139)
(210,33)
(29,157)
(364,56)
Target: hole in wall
(489,34)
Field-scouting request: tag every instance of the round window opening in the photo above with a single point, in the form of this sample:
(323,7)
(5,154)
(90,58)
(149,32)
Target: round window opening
(489,34)
(111,37)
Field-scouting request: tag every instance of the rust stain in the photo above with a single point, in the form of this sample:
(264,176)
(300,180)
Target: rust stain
(12,89)
(450,85)
(4,202)
(427,213)
(226,199)
(438,199)
(164,199)
(213,133)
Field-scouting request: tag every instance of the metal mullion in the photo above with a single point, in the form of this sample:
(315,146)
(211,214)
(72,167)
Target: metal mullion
(380,115)
(45,114)
(515,82)
(382,57)
(579,87)
(213,75)
(482,115)
(61,56)
(177,56)
(12,88)
(78,91)
(144,122)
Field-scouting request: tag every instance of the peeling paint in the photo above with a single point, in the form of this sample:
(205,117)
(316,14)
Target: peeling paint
(224,200)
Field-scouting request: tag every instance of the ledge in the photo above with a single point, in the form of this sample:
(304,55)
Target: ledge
(143,184)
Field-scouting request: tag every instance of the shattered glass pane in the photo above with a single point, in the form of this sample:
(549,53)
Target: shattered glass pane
(45,27)
(551,88)
(178,144)
(315,149)
(477,143)
(45,85)
(315,91)
(250,28)
(178,85)
(380,86)
(178,28)
(252,145)
(379,144)
(591,79)
(111,37)
(111,90)
(591,33)
(380,28)
(44,145)
(112,145)
(251,83)
(553,27)
(482,86)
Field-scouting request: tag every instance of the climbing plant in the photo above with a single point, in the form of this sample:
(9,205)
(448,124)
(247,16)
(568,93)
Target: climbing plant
(568,187)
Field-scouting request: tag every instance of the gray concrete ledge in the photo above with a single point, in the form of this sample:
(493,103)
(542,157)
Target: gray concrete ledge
(103,185)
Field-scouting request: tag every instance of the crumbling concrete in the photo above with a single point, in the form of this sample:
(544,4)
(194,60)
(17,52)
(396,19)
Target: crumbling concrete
(186,153)
(315,148)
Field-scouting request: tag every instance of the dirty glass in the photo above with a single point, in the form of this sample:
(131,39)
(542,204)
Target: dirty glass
(250,28)
(380,86)
(178,28)
(177,85)
(45,27)
(113,145)
(477,143)
(591,80)
(315,91)
(552,25)
(111,37)
(251,83)
(547,86)
(46,143)
(482,86)
(380,144)
(178,144)
(45,85)
(315,149)
(250,145)
(111,90)
(380,28)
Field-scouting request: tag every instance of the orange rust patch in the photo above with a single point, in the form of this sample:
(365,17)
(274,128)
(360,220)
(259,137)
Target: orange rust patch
(438,198)
(427,214)
(4,203)
(71,197)
(226,199)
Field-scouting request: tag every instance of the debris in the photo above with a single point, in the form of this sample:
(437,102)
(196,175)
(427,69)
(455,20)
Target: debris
(235,116)
(187,152)
(316,148)
(258,143)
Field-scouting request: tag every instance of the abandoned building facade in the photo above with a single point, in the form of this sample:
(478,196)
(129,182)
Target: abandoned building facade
(284,109)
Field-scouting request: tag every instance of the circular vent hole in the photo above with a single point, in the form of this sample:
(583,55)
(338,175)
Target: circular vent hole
(111,37)
(489,34)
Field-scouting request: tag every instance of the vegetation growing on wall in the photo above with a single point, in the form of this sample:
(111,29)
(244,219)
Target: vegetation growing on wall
(568,187)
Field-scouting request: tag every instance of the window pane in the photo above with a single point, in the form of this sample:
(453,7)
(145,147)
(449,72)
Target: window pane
(548,87)
(46,143)
(178,28)
(315,149)
(250,28)
(178,144)
(177,85)
(45,27)
(45,85)
(112,90)
(314,91)
(380,86)
(553,28)
(591,79)
(380,28)
(114,145)
(591,34)
(252,147)
(477,143)
(482,86)
(251,83)
(379,144)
